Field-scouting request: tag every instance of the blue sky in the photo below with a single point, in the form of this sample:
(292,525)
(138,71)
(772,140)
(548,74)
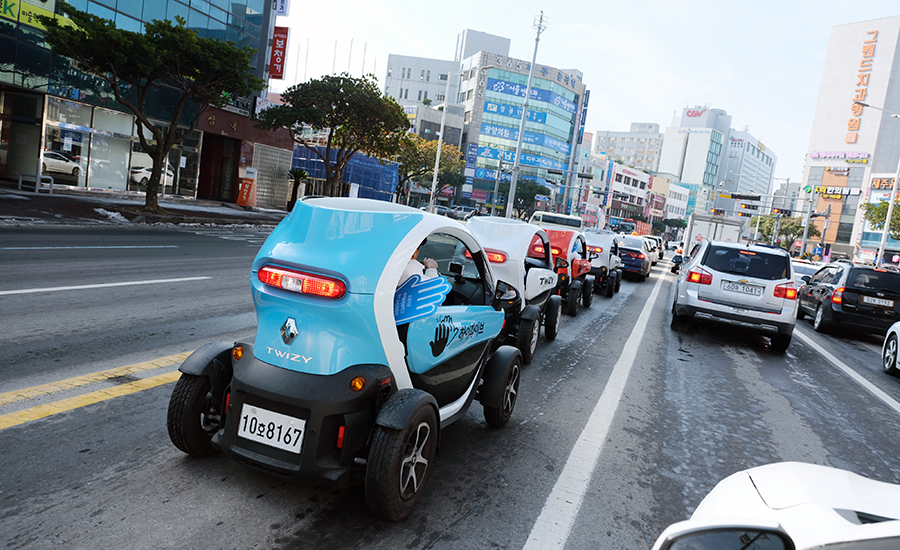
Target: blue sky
(644,61)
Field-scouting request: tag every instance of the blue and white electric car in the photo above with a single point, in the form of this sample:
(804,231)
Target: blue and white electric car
(352,373)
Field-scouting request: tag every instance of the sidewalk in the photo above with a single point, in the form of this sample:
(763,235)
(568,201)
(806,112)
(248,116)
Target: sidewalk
(76,206)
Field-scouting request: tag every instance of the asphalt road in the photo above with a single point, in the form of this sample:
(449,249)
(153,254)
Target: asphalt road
(656,417)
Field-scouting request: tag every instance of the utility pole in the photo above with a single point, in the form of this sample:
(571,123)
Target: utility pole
(497,185)
(806,227)
(541,25)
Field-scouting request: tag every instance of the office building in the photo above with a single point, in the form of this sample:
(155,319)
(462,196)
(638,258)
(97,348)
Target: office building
(51,110)
(639,147)
(749,169)
(854,150)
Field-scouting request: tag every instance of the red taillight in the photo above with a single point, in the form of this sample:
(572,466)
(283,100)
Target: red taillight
(698,275)
(837,297)
(787,291)
(304,283)
(493,256)
(340,441)
(641,256)
(597,249)
(227,402)
(537,248)
(555,251)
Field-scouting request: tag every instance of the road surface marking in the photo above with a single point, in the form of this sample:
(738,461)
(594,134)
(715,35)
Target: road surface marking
(868,386)
(43,411)
(552,528)
(86,247)
(102,285)
(69,383)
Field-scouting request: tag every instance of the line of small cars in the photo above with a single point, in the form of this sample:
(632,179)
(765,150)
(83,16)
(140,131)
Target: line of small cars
(356,368)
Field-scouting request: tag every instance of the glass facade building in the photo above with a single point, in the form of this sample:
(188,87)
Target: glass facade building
(66,123)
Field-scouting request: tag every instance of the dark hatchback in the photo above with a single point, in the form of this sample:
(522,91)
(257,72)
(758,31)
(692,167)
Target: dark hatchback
(636,255)
(842,294)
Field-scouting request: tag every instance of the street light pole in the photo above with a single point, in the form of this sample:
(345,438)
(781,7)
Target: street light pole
(437,160)
(497,185)
(541,25)
(879,258)
(806,227)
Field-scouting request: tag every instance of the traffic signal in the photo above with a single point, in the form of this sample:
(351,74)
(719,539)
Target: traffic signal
(782,211)
(750,206)
(748,214)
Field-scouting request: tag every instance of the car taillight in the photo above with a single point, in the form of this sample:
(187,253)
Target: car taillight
(493,256)
(537,248)
(787,291)
(597,249)
(837,297)
(555,251)
(698,275)
(340,438)
(641,256)
(304,283)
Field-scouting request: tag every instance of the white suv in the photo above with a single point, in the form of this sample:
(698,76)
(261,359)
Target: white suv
(750,286)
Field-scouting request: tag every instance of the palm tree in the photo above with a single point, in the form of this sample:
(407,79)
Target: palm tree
(298,175)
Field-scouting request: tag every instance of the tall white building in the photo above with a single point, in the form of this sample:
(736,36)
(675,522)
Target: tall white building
(854,150)
(748,170)
(638,147)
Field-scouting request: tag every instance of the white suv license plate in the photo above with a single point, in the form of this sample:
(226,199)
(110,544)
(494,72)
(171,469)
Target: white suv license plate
(751,290)
(877,301)
(271,428)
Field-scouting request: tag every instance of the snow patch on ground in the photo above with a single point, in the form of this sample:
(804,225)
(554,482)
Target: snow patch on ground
(113,216)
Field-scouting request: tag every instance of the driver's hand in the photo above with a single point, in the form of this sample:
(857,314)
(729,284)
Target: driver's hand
(429,263)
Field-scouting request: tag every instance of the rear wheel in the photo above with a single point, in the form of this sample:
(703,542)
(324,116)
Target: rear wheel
(819,322)
(618,280)
(780,342)
(587,292)
(610,285)
(800,314)
(572,300)
(678,321)
(527,339)
(496,417)
(551,317)
(399,465)
(889,356)
(189,420)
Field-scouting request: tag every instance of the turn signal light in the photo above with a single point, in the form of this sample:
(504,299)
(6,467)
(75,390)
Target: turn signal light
(837,297)
(787,291)
(358,383)
(303,283)
(698,275)
(237,352)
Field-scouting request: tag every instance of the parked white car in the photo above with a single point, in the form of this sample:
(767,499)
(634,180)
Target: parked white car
(55,161)
(520,254)
(140,175)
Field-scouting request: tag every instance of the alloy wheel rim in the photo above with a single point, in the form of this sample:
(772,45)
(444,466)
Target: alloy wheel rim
(509,396)
(535,333)
(414,464)
(890,354)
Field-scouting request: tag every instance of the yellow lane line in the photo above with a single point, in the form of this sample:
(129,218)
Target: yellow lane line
(43,411)
(35,391)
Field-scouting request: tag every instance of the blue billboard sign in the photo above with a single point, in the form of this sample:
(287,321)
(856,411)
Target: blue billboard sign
(509,88)
(513,111)
(530,138)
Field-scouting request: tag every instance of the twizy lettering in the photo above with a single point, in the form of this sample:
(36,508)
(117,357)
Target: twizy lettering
(289,356)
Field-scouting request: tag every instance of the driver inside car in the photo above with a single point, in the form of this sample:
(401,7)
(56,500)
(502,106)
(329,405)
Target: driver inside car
(426,269)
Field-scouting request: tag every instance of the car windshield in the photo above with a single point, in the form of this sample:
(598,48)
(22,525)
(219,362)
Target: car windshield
(749,263)
(633,242)
(559,220)
(870,279)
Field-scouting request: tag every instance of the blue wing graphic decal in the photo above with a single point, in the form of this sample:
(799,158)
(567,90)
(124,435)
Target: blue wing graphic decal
(417,298)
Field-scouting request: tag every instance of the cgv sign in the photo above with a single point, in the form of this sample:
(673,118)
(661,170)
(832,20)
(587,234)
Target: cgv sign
(694,112)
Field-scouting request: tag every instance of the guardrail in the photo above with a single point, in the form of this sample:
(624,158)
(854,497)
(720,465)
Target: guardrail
(38,185)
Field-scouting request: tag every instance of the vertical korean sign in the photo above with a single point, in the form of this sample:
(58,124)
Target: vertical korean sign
(282,7)
(279,48)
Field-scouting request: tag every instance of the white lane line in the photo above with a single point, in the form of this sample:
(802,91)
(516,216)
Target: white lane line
(103,285)
(82,247)
(552,528)
(868,386)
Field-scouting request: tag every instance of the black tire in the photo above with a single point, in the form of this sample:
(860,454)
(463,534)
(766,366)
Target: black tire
(889,356)
(75,171)
(781,342)
(497,417)
(551,317)
(678,321)
(800,314)
(43,168)
(618,280)
(610,285)
(144,182)
(190,429)
(399,465)
(526,340)
(819,322)
(587,292)
(572,300)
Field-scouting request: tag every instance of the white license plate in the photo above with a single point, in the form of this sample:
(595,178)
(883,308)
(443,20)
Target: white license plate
(751,290)
(271,428)
(877,301)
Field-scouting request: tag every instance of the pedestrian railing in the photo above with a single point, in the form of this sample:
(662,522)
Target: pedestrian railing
(46,182)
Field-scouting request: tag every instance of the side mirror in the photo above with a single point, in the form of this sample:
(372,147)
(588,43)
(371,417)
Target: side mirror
(734,537)
(561,263)
(677,259)
(594,255)
(505,295)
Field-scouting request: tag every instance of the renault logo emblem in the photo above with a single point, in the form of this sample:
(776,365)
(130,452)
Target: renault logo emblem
(289,331)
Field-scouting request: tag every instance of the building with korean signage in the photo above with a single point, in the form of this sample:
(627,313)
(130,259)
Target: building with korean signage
(854,150)
(58,119)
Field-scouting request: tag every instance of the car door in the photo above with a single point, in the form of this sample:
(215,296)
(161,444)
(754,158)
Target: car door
(820,288)
(446,347)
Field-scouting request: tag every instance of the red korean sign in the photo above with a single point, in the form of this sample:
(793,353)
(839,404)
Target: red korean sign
(279,49)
